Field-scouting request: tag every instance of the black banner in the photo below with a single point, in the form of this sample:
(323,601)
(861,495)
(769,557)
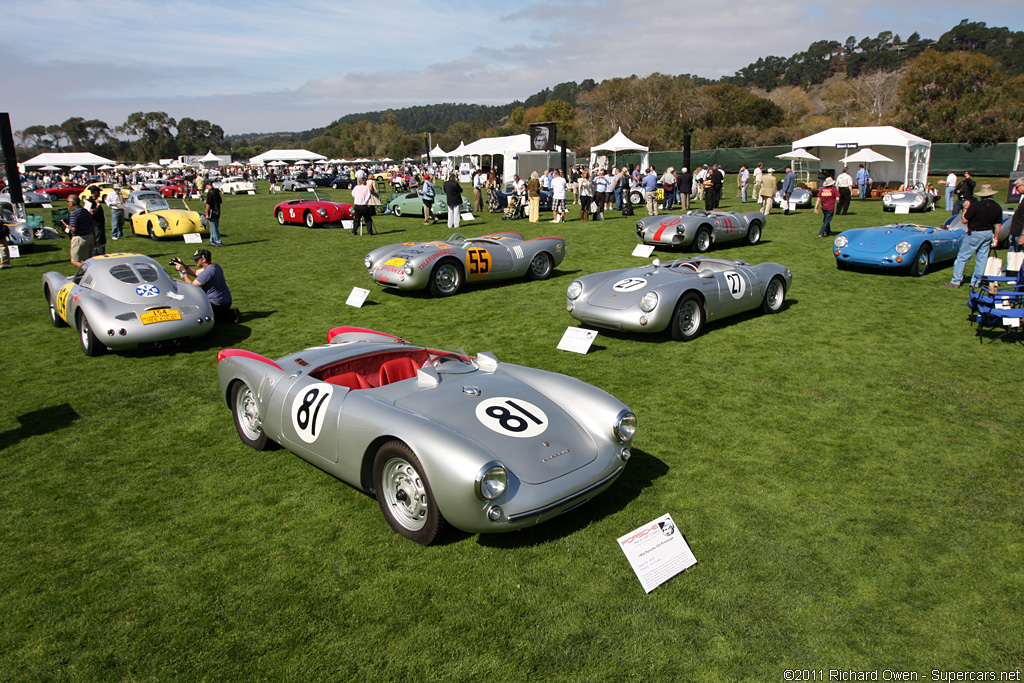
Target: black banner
(542,136)
(10,159)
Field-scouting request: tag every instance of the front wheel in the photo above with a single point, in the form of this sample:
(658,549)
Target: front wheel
(924,259)
(446,279)
(754,233)
(280,216)
(702,240)
(688,319)
(636,198)
(247,417)
(309,219)
(541,267)
(404,494)
(152,232)
(90,344)
(774,295)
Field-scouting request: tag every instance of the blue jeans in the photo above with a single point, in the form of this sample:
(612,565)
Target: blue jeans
(214,230)
(977,244)
(743,194)
(863,187)
(826,224)
(950,190)
(116,223)
(618,199)
(1013,244)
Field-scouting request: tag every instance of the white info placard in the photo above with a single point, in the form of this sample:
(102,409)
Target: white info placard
(643,250)
(657,551)
(357,297)
(14,250)
(903,209)
(577,340)
(466,216)
(193,238)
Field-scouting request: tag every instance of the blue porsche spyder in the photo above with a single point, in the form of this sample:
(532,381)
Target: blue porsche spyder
(914,247)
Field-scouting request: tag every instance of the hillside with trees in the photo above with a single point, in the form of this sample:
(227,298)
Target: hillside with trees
(965,86)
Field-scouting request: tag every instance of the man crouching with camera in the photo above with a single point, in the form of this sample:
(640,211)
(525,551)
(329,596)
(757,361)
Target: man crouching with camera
(210,277)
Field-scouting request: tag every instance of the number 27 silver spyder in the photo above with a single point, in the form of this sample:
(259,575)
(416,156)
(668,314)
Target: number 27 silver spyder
(681,295)
(437,436)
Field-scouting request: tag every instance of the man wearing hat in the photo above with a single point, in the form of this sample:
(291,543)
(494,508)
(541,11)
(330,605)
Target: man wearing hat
(982,215)
(827,196)
(213,201)
(209,276)
(769,184)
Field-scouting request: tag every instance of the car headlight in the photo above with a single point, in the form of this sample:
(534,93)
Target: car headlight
(491,481)
(649,301)
(903,247)
(322,211)
(408,269)
(367,261)
(625,426)
(574,291)
(841,242)
(162,221)
(918,200)
(887,199)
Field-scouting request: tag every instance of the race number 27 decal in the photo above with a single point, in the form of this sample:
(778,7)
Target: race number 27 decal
(736,284)
(512,417)
(478,261)
(309,408)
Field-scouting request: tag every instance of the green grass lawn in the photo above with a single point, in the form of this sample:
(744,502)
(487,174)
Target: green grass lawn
(848,474)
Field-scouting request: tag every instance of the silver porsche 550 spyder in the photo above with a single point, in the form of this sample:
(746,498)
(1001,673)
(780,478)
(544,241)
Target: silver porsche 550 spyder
(437,436)
(122,301)
(701,229)
(444,267)
(680,295)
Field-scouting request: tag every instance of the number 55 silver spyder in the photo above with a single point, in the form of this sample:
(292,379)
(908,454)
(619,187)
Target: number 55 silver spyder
(437,436)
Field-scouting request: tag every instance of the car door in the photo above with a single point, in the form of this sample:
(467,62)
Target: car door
(488,260)
(736,290)
(729,228)
(310,411)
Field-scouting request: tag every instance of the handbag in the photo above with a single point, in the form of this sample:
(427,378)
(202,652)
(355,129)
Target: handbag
(374,200)
(593,207)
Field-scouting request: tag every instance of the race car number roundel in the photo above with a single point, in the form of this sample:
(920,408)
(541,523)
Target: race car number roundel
(512,417)
(736,283)
(309,408)
(478,261)
(629,284)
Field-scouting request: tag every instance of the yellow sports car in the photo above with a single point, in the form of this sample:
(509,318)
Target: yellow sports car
(152,215)
(105,189)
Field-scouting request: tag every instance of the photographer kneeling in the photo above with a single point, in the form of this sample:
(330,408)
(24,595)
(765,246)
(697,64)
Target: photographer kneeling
(210,277)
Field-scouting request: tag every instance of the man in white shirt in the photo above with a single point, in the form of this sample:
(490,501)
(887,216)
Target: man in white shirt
(558,184)
(116,203)
(844,183)
(950,190)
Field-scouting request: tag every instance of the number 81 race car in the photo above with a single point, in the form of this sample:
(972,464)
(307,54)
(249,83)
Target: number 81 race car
(437,436)
(444,267)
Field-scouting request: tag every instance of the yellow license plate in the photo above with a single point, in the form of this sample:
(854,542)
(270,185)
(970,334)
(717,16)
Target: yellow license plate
(161,315)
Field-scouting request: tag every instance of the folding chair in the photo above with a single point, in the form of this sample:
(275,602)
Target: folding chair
(999,304)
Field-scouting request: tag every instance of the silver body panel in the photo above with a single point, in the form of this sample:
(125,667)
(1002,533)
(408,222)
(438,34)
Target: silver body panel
(679,230)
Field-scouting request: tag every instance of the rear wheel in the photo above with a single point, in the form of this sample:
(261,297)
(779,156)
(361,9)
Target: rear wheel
(446,278)
(404,494)
(309,219)
(702,240)
(754,232)
(540,267)
(921,262)
(688,319)
(774,295)
(90,344)
(397,210)
(247,417)
(55,318)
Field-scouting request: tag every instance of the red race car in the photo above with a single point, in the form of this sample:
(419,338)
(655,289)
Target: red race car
(64,189)
(317,211)
(177,187)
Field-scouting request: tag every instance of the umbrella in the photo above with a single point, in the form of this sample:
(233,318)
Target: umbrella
(106,167)
(122,167)
(864,156)
(277,163)
(302,163)
(79,168)
(49,168)
(798,154)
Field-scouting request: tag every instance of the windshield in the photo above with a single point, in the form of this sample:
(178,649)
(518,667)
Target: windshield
(153,202)
(451,361)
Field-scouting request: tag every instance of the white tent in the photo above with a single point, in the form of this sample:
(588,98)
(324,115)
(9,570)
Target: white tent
(67,159)
(620,143)
(512,154)
(911,154)
(286,155)
(1018,160)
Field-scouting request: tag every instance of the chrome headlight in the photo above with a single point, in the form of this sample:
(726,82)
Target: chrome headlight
(919,200)
(625,426)
(903,247)
(649,301)
(367,261)
(162,221)
(491,481)
(841,242)
(887,199)
(408,269)
(322,211)
(574,291)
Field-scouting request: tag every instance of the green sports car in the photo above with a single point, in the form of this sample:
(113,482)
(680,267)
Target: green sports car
(411,204)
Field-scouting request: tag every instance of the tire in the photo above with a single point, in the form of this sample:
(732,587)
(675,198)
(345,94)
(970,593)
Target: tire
(152,232)
(90,344)
(280,217)
(308,219)
(396,210)
(55,319)
(921,262)
(702,240)
(754,233)
(636,198)
(446,278)
(688,318)
(842,265)
(335,186)
(404,494)
(774,295)
(541,266)
(247,417)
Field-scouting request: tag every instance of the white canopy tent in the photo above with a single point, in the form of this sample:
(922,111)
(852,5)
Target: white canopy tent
(436,153)
(288,156)
(911,154)
(67,159)
(512,154)
(620,143)
(1018,159)
(799,161)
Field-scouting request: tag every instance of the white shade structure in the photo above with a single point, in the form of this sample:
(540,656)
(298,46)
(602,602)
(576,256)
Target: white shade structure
(67,159)
(865,156)
(620,143)
(802,154)
(79,168)
(910,155)
(289,156)
(50,168)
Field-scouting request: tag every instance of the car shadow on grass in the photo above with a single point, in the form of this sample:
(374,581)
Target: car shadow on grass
(641,471)
(39,422)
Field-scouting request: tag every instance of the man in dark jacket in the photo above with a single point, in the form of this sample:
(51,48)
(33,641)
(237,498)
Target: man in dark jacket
(684,185)
(453,195)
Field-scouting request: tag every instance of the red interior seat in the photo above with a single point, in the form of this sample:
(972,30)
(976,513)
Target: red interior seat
(352,380)
(397,369)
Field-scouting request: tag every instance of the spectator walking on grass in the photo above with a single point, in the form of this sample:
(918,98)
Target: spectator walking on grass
(558,185)
(844,183)
(533,195)
(788,185)
(769,185)
(650,185)
(827,196)
(982,216)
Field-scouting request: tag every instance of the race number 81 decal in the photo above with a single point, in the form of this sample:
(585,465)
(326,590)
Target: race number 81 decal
(309,408)
(512,417)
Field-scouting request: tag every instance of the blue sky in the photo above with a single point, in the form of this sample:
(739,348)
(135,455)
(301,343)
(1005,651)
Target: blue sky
(264,66)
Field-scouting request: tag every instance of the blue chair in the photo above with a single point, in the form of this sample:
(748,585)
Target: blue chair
(998,304)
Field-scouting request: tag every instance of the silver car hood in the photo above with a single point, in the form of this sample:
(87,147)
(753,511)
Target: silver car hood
(562,447)
(607,296)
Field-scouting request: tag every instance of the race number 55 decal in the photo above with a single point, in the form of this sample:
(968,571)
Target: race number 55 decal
(512,417)
(478,261)
(62,300)
(309,408)
(736,284)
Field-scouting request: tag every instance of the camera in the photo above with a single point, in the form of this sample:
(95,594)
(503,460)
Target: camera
(175,262)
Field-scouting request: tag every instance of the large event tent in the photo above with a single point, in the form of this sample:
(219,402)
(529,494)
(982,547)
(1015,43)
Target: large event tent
(67,159)
(620,143)
(288,156)
(511,154)
(910,154)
